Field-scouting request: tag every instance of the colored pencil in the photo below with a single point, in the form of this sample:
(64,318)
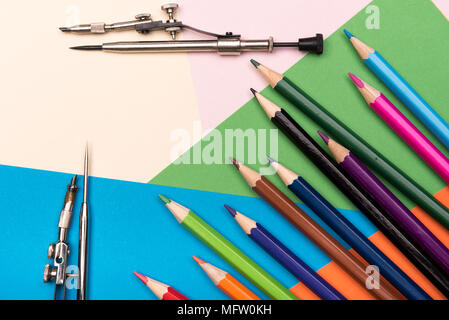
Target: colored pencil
(404,128)
(350,139)
(385,198)
(311,229)
(229,252)
(286,257)
(360,199)
(402,89)
(226,283)
(347,231)
(161,290)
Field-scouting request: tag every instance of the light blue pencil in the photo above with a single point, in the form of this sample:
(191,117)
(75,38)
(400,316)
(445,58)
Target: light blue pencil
(393,80)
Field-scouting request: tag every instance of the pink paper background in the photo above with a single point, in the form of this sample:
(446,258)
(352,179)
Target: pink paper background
(222,83)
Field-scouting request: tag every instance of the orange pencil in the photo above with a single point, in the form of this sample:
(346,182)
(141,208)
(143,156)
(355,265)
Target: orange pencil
(227,283)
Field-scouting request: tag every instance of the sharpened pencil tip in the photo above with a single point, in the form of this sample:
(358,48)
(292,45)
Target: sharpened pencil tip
(235,163)
(359,83)
(271,160)
(198,260)
(164,199)
(255,63)
(93,47)
(141,277)
(253,91)
(273,163)
(324,137)
(348,34)
(231,211)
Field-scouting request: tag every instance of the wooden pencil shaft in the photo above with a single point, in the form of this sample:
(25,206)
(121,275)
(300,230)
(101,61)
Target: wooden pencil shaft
(226,283)
(403,90)
(404,128)
(235,290)
(236,258)
(412,136)
(362,149)
(317,235)
(326,164)
(294,264)
(161,290)
(413,226)
(172,294)
(433,272)
(355,238)
(214,273)
(360,199)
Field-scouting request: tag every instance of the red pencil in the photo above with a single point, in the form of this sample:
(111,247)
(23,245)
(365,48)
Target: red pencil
(161,290)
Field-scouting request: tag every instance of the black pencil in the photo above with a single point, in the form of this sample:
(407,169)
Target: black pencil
(351,189)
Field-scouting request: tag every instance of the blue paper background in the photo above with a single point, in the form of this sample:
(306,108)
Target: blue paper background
(131,230)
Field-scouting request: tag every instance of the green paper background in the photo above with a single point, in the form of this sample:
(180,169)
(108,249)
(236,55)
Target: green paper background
(413,37)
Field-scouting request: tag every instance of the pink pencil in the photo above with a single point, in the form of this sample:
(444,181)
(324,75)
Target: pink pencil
(404,128)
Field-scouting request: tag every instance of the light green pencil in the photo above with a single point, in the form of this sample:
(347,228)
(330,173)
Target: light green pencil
(230,253)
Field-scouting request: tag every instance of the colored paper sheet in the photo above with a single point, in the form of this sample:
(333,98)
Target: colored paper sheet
(131,230)
(135,232)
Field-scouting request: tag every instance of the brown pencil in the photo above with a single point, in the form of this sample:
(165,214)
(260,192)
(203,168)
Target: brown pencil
(313,231)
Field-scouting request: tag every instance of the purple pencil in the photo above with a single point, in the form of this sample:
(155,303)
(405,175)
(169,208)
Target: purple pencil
(285,257)
(388,201)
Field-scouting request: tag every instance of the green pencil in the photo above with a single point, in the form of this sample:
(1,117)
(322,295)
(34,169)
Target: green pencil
(358,146)
(230,253)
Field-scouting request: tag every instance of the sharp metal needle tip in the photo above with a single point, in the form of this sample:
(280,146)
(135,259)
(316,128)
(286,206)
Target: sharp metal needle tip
(92,47)
(64,29)
(86,171)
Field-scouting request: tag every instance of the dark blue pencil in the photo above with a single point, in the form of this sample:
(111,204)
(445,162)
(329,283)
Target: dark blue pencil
(348,232)
(285,257)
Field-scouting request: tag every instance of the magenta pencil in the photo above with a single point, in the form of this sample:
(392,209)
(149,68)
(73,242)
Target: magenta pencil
(404,128)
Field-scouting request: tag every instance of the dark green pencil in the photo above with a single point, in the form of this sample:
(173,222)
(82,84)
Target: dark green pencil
(358,146)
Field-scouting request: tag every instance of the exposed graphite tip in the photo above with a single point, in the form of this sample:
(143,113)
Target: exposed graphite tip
(348,34)
(92,47)
(271,160)
(64,29)
(231,211)
(255,63)
(198,260)
(235,163)
(359,83)
(141,277)
(164,199)
(253,91)
(324,137)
